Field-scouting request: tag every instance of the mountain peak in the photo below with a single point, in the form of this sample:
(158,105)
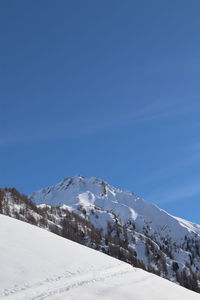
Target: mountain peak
(93,192)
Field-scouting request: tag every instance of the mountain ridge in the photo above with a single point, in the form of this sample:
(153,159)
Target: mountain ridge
(62,194)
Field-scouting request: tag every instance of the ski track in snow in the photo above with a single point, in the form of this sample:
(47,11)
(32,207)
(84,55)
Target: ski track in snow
(62,284)
(36,264)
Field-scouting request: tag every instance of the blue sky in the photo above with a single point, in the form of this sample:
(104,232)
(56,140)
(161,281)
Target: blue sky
(102,88)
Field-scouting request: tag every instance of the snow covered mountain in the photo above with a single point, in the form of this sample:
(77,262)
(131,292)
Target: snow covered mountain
(96,194)
(118,223)
(36,264)
(159,242)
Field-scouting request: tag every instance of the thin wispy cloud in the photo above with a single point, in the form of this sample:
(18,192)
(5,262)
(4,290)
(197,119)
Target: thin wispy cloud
(165,172)
(178,193)
(78,127)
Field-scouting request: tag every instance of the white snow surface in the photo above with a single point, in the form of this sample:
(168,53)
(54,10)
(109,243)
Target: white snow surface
(91,193)
(37,264)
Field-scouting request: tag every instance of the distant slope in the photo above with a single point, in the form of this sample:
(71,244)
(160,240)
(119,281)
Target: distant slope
(36,264)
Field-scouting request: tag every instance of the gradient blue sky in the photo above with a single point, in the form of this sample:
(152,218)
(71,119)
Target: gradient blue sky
(103,88)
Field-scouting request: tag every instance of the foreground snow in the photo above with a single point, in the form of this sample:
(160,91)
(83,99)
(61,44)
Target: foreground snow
(36,264)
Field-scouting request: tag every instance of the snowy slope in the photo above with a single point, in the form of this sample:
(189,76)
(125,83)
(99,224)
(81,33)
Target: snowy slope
(36,264)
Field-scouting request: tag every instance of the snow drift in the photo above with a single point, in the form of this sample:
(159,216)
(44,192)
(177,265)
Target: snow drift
(36,264)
